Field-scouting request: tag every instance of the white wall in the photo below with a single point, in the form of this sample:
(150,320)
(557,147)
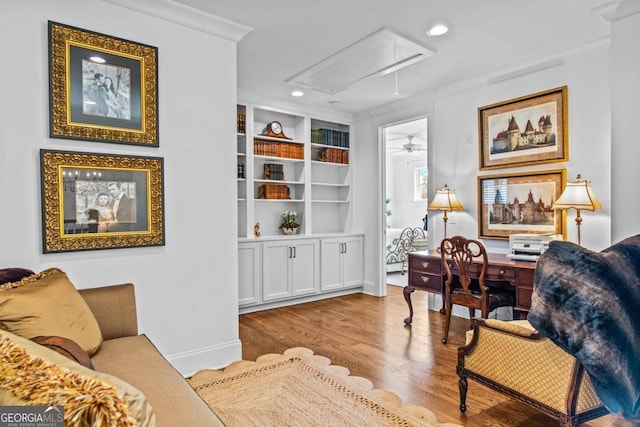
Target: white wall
(625,81)
(453,143)
(406,212)
(187,289)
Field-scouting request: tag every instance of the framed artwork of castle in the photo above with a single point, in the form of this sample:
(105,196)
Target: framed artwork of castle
(520,203)
(528,130)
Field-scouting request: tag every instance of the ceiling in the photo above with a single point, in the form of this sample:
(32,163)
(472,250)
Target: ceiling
(489,38)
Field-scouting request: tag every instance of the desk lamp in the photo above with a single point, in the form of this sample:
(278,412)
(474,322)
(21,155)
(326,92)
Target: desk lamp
(577,194)
(445,200)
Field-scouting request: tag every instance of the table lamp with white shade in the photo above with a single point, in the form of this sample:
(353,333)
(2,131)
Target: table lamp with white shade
(445,200)
(578,195)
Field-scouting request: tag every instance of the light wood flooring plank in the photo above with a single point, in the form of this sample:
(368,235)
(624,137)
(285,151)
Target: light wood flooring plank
(366,334)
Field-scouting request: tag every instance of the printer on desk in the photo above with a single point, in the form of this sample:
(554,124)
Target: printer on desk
(529,247)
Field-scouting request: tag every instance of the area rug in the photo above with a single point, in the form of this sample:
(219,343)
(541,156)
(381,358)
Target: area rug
(298,388)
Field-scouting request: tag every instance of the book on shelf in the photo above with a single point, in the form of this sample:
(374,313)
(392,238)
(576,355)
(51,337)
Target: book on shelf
(330,137)
(241,123)
(333,155)
(278,149)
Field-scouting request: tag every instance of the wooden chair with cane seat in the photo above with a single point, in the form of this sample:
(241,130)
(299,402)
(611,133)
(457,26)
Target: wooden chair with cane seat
(465,263)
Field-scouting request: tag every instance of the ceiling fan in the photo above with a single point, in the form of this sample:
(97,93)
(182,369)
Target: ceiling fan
(409,147)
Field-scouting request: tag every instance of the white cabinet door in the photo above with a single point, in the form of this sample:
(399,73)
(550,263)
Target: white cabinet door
(342,263)
(353,261)
(249,273)
(290,268)
(331,270)
(304,266)
(276,257)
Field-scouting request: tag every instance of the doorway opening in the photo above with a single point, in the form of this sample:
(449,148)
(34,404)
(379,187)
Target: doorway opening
(405,193)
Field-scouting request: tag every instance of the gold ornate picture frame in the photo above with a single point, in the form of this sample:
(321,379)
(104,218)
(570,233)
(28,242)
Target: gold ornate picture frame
(529,130)
(520,203)
(102,88)
(99,201)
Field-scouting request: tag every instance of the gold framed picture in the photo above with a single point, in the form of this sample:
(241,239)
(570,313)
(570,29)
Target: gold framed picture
(99,201)
(102,88)
(520,203)
(529,130)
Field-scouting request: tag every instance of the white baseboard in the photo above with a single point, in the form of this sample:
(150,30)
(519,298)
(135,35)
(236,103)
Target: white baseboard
(214,357)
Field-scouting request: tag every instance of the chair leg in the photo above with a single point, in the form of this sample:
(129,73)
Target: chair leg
(407,291)
(566,421)
(462,385)
(447,322)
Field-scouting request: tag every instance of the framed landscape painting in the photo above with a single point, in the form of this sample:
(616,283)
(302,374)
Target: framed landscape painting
(520,203)
(529,130)
(99,201)
(102,88)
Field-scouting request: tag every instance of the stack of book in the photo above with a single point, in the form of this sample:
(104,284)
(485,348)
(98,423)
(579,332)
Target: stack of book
(274,171)
(334,138)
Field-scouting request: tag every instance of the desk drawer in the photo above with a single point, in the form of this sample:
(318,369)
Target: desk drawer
(500,273)
(422,280)
(426,265)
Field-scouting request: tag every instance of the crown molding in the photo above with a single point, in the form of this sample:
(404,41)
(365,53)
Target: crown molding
(615,10)
(181,14)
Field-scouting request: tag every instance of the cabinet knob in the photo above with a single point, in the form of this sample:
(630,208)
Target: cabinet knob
(425,279)
(502,272)
(425,264)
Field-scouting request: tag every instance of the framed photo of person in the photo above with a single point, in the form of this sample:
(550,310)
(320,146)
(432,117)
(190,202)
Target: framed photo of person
(102,88)
(529,130)
(520,203)
(99,201)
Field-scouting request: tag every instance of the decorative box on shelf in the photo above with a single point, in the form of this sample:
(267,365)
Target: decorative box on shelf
(274,191)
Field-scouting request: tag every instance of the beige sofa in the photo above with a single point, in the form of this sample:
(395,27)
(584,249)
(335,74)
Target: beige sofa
(134,359)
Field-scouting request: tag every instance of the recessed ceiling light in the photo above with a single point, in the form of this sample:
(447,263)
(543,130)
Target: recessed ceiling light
(437,30)
(297,93)
(98,59)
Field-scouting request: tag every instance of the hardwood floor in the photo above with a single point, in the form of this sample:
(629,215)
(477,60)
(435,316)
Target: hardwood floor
(366,334)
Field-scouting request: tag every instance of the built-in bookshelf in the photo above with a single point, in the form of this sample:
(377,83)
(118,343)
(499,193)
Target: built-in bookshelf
(241,136)
(307,171)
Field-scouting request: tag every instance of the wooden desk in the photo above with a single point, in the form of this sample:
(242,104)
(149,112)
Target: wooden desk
(427,274)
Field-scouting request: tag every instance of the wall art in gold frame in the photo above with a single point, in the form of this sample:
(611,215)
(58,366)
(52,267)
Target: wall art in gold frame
(102,88)
(520,203)
(529,130)
(99,201)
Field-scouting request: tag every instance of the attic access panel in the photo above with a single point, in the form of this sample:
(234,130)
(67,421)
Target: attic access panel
(380,53)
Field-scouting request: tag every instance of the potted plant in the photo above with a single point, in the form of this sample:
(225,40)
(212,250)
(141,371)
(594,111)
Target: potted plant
(290,222)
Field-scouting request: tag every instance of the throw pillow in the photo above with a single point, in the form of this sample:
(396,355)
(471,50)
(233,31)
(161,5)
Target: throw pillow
(67,348)
(13,274)
(588,303)
(31,374)
(47,304)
